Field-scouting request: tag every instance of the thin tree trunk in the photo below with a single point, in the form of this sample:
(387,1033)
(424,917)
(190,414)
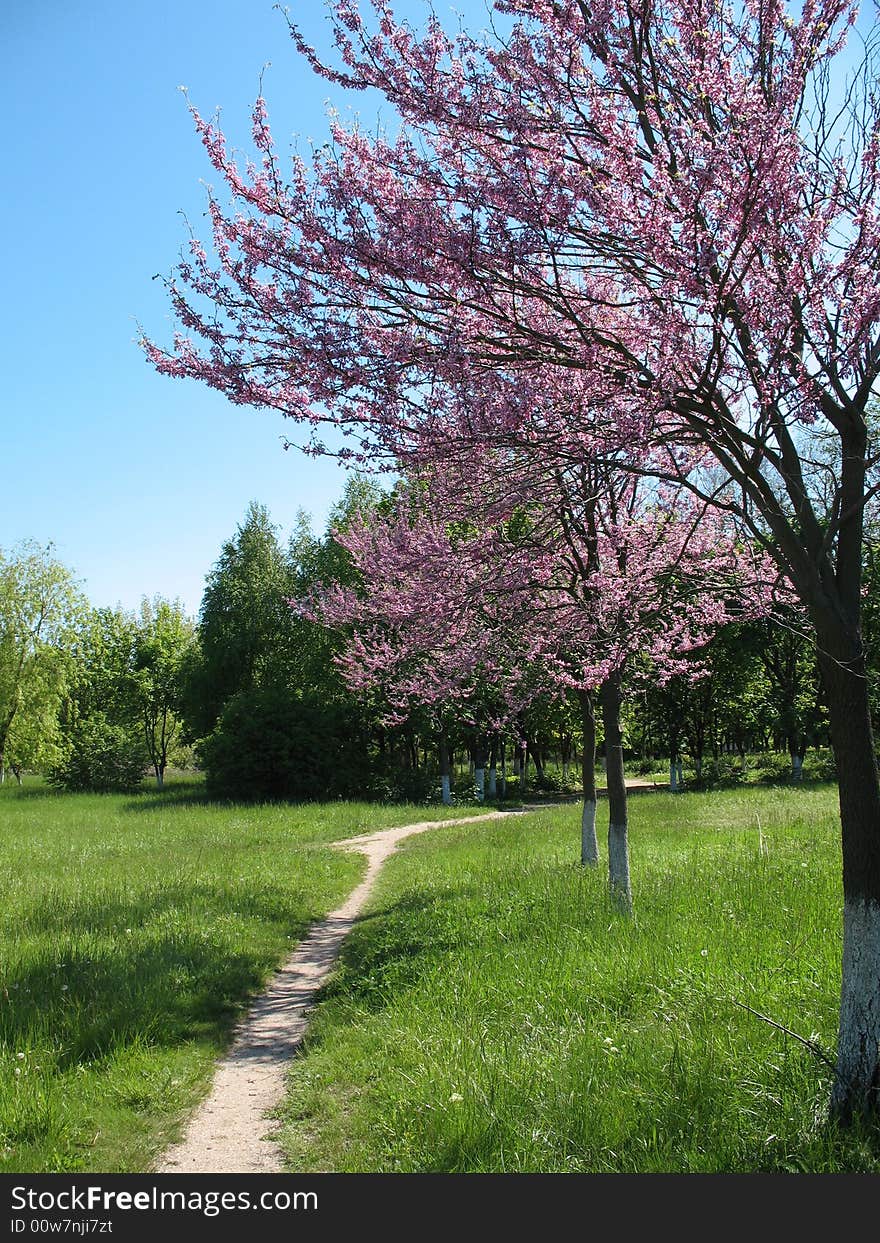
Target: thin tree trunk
(618,826)
(444,771)
(493,768)
(479,759)
(589,842)
(856,1089)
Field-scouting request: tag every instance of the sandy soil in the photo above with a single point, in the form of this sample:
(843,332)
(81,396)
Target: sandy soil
(230,1133)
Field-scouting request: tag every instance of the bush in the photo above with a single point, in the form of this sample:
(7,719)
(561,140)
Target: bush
(388,783)
(270,745)
(102,756)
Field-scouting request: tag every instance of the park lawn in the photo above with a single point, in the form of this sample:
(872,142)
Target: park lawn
(133,930)
(493,1013)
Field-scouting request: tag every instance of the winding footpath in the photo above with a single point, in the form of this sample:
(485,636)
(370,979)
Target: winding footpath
(230,1132)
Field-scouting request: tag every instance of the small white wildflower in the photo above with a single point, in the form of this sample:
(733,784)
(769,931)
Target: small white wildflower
(20,1056)
(456,1096)
(704,953)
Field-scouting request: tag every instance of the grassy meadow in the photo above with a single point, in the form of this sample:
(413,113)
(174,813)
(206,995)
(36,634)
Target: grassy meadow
(493,1013)
(133,930)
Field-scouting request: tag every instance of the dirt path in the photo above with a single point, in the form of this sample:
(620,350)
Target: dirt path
(229,1133)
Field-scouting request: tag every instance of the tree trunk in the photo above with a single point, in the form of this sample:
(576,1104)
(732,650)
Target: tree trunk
(618,843)
(444,771)
(856,1089)
(589,842)
(503,769)
(479,758)
(493,768)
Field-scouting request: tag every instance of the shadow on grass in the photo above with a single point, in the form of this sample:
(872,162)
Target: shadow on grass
(172,991)
(160,968)
(395,946)
(178,794)
(203,902)
(30,793)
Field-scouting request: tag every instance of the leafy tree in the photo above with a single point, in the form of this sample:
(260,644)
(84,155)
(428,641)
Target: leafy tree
(39,607)
(244,628)
(162,641)
(256,652)
(100,754)
(102,740)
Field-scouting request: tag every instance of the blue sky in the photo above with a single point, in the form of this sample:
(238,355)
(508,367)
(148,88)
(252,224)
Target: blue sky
(136,478)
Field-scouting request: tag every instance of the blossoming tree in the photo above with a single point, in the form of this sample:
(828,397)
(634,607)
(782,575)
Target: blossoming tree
(676,198)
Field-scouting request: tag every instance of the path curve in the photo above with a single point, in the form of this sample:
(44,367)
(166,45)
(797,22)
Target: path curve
(229,1133)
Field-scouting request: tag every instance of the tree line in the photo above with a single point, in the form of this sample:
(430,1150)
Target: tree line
(256,693)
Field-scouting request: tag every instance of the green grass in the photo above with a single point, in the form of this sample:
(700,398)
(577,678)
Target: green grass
(133,929)
(493,1013)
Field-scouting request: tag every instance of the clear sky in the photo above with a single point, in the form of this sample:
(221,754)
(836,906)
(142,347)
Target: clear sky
(136,478)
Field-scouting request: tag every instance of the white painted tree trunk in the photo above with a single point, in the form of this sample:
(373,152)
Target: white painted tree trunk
(447,794)
(859,1033)
(618,816)
(673,776)
(618,865)
(493,783)
(589,841)
(480,783)
(797,768)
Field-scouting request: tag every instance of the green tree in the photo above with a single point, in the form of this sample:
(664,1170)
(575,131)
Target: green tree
(163,638)
(245,625)
(39,608)
(102,739)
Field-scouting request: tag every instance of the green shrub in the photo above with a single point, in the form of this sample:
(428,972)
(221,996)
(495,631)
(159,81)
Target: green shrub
(102,756)
(269,745)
